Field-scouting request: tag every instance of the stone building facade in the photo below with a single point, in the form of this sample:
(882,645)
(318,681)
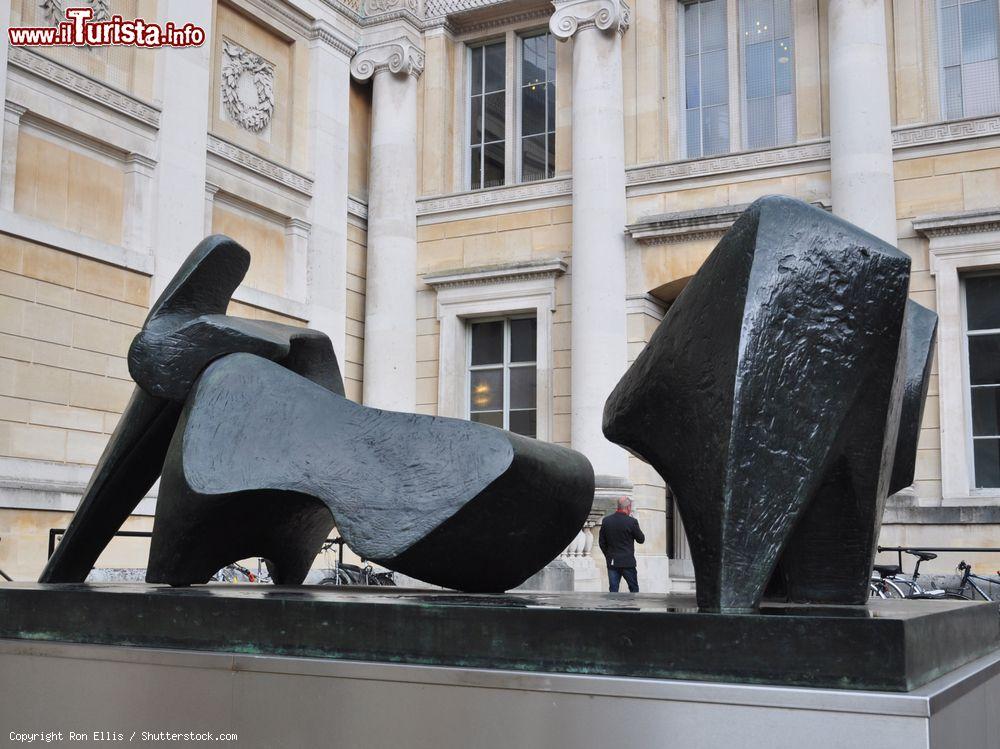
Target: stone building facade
(488,205)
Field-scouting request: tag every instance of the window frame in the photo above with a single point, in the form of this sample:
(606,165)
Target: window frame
(520,35)
(967,385)
(505,365)
(512,38)
(939,67)
(744,119)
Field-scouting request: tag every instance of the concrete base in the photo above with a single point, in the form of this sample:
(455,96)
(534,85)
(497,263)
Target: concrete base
(272,701)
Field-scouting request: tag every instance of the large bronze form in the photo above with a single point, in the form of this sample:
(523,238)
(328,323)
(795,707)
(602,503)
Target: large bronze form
(261,455)
(776,396)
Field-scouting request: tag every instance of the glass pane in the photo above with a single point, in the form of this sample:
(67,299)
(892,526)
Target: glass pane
(533,109)
(476,74)
(493,126)
(982,300)
(783,66)
(550,107)
(692,82)
(715,130)
(987,457)
(523,422)
(485,390)
(496,66)
(693,132)
(953,93)
(487,343)
(714,79)
(759,70)
(984,359)
(476,120)
(533,59)
(492,418)
(760,123)
(493,156)
(713,25)
(782,18)
(533,158)
(759,23)
(522,387)
(550,149)
(784,115)
(979,31)
(980,88)
(691,46)
(475,168)
(985,412)
(522,339)
(951,49)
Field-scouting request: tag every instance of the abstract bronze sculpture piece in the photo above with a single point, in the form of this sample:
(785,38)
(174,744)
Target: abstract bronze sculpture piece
(769,399)
(261,455)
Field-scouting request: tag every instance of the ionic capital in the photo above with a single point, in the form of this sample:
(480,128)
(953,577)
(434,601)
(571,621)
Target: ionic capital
(605,15)
(399,56)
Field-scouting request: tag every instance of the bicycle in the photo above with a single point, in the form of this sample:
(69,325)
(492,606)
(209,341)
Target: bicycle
(969,581)
(234,573)
(342,573)
(888,581)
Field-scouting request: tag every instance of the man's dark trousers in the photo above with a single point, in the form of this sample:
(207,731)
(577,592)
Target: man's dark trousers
(615,575)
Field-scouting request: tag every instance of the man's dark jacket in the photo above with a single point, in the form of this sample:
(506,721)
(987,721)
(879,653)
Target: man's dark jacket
(617,538)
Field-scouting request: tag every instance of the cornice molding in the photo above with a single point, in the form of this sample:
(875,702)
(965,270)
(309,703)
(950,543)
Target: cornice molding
(572,15)
(398,56)
(497,274)
(325,33)
(684,226)
(495,196)
(357,208)
(958,224)
(939,132)
(814,151)
(258,164)
(84,86)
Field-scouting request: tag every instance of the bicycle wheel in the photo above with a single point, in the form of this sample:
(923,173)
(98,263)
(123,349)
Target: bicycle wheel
(894,590)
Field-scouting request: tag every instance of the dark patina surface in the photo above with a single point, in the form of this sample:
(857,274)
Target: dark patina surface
(891,645)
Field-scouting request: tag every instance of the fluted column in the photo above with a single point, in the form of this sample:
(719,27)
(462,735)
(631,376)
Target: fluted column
(861,173)
(599,337)
(390,361)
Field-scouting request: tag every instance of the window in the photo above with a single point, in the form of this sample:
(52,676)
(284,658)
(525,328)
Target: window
(982,315)
(768,80)
(538,107)
(706,78)
(530,85)
(967,50)
(502,374)
(487,113)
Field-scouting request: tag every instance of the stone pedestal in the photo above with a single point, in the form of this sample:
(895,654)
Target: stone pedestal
(322,666)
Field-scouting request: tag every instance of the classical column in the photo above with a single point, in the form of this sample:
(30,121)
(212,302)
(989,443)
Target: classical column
(330,82)
(862,188)
(599,337)
(390,364)
(183,82)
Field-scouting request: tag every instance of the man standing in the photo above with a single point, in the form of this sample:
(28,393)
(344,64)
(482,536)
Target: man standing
(619,532)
